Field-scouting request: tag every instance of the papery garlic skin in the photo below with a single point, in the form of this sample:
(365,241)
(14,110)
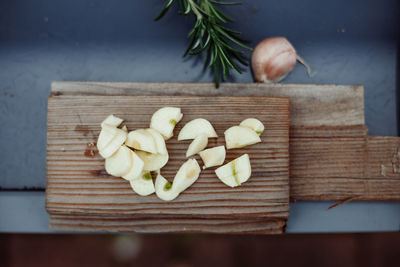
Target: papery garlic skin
(273,59)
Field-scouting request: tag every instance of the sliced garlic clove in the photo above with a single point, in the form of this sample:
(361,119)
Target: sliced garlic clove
(238,136)
(141,140)
(254,125)
(112,121)
(186,175)
(198,144)
(136,169)
(195,127)
(159,140)
(213,156)
(120,162)
(165,119)
(243,168)
(164,189)
(236,172)
(144,185)
(116,142)
(106,135)
(152,162)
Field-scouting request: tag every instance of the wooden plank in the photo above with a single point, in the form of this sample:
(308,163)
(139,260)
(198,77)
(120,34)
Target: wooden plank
(314,102)
(310,105)
(337,168)
(383,157)
(78,184)
(338,189)
(351,131)
(165,225)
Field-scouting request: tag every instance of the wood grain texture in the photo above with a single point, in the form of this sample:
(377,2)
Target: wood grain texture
(383,157)
(310,105)
(78,184)
(166,225)
(351,131)
(334,158)
(313,177)
(342,166)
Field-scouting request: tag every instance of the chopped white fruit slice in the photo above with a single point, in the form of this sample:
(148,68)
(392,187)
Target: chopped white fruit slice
(213,156)
(118,139)
(136,169)
(235,172)
(198,144)
(195,127)
(142,140)
(152,162)
(239,136)
(120,162)
(164,189)
(253,124)
(165,119)
(124,128)
(144,185)
(107,133)
(112,121)
(186,175)
(159,140)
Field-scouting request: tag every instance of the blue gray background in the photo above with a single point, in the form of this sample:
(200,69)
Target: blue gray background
(345,42)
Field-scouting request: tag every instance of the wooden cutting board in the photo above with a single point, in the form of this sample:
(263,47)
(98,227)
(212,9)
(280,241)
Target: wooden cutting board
(77,183)
(163,224)
(332,158)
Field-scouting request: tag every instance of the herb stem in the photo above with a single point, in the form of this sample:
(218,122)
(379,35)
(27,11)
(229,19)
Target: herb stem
(195,10)
(222,45)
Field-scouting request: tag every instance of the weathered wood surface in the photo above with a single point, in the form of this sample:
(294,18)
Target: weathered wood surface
(344,164)
(310,105)
(165,225)
(311,108)
(371,175)
(380,180)
(78,184)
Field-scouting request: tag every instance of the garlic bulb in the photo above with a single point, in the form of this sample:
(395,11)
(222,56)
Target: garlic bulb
(273,59)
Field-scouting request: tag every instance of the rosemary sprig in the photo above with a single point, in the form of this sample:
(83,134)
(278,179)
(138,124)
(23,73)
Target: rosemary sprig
(222,45)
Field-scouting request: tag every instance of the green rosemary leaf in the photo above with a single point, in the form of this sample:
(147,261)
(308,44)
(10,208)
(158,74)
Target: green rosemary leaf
(216,74)
(236,67)
(181,4)
(240,39)
(222,45)
(233,39)
(229,30)
(223,15)
(240,59)
(224,56)
(207,59)
(189,46)
(212,56)
(215,55)
(207,40)
(230,48)
(186,7)
(204,13)
(223,65)
(217,15)
(225,3)
(164,10)
(195,28)
(196,44)
(198,51)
